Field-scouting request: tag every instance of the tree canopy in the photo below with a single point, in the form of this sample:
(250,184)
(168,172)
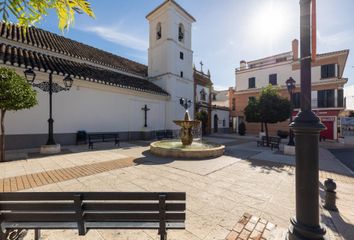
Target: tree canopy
(29,12)
(269,108)
(272,107)
(15,94)
(252,111)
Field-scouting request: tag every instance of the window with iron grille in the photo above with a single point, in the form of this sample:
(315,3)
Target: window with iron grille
(252,82)
(273,79)
(325,98)
(328,71)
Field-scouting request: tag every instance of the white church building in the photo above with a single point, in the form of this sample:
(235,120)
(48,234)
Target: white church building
(109,91)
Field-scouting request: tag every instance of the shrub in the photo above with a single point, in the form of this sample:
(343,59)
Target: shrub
(242,129)
(282,134)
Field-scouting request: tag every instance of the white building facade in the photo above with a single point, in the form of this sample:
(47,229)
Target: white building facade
(327,86)
(109,91)
(349,97)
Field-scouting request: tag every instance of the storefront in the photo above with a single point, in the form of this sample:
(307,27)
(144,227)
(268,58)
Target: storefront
(330,119)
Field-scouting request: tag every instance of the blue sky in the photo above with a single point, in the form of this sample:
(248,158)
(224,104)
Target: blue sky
(226,31)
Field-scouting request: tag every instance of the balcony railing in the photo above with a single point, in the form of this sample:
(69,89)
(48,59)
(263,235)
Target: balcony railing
(316,104)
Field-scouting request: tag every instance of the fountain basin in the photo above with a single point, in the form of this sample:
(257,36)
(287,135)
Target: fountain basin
(175,149)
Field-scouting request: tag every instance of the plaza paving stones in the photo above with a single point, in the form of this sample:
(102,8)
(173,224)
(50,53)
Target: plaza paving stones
(251,227)
(218,195)
(23,182)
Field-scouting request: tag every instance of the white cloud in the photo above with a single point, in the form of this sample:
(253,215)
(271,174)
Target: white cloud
(116,36)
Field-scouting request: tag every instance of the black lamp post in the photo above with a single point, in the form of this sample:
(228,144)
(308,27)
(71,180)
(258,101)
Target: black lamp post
(307,127)
(51,88)
(290,84)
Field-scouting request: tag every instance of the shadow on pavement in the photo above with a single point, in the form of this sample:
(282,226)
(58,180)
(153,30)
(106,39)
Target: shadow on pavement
(335,221)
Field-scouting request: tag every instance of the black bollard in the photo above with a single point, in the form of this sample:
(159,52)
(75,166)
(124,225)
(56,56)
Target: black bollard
(330,198)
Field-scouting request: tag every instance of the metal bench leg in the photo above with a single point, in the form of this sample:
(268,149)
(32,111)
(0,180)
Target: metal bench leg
(37,234)
(163,237)
(162,216)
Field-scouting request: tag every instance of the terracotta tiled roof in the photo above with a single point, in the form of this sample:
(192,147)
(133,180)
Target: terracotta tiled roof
(52,42)
(16,56)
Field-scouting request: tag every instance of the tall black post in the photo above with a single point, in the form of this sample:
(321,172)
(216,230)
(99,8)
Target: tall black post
(291,132)
(307,127)
(50,120)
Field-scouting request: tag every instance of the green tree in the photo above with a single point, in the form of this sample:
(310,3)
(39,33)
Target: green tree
(15,94)
(203,117)
(273,108)
(252,112)
(29,12)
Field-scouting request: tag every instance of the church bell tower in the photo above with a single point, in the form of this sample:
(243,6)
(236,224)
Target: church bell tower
(170,60)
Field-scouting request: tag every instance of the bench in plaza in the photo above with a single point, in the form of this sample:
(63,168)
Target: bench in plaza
(103,137)
(22,211)
(274,142)
(168,134)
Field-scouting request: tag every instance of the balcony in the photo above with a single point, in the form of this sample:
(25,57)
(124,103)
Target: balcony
(329,104)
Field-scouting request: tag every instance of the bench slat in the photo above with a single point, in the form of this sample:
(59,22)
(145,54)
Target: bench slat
(88,216)
(38,217)
(132,216)
(45,206)
(60,196)
(92,225)
(65,207)
(132,206)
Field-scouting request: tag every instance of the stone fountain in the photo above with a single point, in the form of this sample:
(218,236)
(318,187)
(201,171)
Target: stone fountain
(185,147)
(186,125)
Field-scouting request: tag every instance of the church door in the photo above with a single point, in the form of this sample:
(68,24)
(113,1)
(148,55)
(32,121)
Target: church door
(216,119)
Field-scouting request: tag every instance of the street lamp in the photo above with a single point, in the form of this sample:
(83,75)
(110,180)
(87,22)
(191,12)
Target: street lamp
(50,87)
(307,127)
(290,84)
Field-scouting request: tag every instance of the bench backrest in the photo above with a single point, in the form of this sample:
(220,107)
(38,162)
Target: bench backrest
(86,207)
(275,139)
(103,135)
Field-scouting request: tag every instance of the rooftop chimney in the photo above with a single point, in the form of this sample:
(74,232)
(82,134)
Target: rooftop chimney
(243,64)
(314,31)
(295,49)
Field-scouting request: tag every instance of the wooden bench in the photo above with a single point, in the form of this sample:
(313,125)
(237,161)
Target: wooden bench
(103,137)
(274,142)
(164,134)
(22,211)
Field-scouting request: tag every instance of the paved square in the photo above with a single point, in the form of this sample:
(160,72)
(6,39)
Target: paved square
(219,191)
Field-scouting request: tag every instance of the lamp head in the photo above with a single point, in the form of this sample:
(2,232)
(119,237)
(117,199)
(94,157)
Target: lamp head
(30,75)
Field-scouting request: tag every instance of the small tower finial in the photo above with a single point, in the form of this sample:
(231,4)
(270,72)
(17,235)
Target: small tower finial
(201,66)
(209,73)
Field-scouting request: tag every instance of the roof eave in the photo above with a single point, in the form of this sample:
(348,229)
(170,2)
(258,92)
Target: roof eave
(176,4)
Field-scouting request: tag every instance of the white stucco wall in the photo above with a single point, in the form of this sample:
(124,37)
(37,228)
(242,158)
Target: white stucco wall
(165,65)
(349,97)
(283,71)
(164,53)
(98,109)
(222,115)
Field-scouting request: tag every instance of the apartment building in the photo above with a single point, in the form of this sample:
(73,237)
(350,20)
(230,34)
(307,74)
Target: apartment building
(327,86)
